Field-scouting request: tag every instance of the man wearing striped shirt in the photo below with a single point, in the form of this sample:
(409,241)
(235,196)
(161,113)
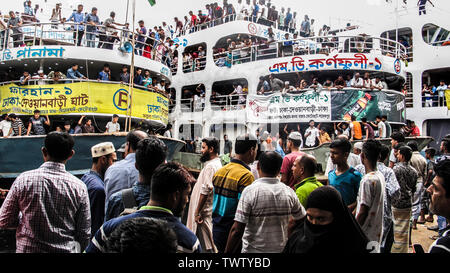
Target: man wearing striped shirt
(268,209)
(229,182)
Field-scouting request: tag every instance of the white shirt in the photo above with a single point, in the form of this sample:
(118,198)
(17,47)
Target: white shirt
(377,85)
(266,207)
(5,126)
(168,134)
(40,79)
(355,82)
(382,127)
(311,139)
(113,127)
(371,194)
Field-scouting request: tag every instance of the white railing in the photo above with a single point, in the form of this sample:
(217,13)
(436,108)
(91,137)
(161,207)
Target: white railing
(38,34)
(65,81)
(311,46)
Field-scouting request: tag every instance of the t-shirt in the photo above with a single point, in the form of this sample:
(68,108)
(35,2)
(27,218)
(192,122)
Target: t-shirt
(415,131)
(286,167)
(442,245)
(5,126)
(113,127)
(347,184)
(305,187)
(382,129)
(371,194)
(356,129)
(38,125)
(371,133)
(311,139)
(266,207)
(15,125)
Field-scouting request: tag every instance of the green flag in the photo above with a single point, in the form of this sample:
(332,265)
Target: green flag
(152,2)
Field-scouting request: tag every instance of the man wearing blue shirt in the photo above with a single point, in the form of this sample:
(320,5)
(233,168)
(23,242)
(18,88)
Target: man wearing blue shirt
(124,174)
(142,31)
(344,178)
(73,73)
(170,189)
(105,74)
(103,156)
(92,22)
(78,29)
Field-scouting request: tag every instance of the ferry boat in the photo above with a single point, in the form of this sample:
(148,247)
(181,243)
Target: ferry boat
(204,106)
(200,104)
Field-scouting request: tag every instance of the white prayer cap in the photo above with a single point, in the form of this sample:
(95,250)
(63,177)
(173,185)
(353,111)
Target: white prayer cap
(102,149)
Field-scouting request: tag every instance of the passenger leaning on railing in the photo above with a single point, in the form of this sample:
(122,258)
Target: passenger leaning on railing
(15,23)
(57,76)
(92,21)
(73,73)
(105,74)
(40,77)
(25,78)
(78,28)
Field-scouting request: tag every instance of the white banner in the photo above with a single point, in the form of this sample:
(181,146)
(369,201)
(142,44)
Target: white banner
(301,107)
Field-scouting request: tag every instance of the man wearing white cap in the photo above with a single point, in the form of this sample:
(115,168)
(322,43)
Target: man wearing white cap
(41,77)
(103,156)
(294,143)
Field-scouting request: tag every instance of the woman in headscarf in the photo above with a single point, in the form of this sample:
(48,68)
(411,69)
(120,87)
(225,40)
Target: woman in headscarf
(328,228)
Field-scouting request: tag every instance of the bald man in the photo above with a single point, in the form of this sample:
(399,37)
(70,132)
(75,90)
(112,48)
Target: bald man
(304,169)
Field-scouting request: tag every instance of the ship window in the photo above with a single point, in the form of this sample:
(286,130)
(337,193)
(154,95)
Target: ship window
(193,98)
(434,84)
(405,37)
(189,131)
(435,35)
(221,98)
(194,58)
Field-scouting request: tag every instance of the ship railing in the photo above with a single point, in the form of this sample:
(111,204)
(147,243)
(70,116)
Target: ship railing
(302,90)
(66,34)
(66,81)
(192,65)
(327,45)
(226,19)
(434,100)
(229,102)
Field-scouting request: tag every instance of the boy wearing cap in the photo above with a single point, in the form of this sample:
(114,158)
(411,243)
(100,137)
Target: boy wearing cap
(103,156)
(294,143)
(113,126)
(41,77)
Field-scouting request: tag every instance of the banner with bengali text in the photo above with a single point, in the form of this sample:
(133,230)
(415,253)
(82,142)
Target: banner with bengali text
(290,107)
(82,97)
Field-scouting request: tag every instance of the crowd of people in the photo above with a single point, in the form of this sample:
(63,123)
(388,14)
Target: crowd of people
(434,96)
(260,202)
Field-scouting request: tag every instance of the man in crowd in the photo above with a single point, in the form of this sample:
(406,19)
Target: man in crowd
(105,74)
(419,163)
(344,178)
(294,141)
(227,146)
(388,126)
(396,138)
(114,125)
(304,170)
(353,159)
(123,174)
(369,210)
(5,125)
(275,83)
(46,217)
(264,211)
(36,123)
(355,128)
(25,78)
(199,219)
(150,153)
(74,74)
(103,156)
(229,182)
(357,81)
(17,127)
(381,127)
(91,21)
(15,23)
(311,135)
(170,188)
(78,18)
(440,204)
(401,208)
(370,134)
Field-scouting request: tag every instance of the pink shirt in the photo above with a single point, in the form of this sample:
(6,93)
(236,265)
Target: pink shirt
(286,167)
(415,131)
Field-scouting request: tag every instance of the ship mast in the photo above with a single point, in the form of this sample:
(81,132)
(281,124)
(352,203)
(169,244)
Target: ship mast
(131,82)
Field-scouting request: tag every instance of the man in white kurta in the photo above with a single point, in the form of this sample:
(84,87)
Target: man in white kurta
(199,218)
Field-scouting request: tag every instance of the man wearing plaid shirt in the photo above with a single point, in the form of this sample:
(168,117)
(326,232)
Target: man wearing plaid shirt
(49,207)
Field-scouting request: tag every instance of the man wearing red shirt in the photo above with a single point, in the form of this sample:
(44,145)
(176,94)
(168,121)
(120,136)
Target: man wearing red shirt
(294,144)
(193,21)
(415,132)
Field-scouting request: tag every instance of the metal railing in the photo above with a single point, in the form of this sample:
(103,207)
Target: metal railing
(74,34)
(327,45)
(434,100)
(193,65)
(65,81)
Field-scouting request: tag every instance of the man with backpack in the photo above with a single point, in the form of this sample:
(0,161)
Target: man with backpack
(150,153)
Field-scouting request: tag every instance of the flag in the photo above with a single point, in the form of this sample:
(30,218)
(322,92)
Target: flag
(152,2)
